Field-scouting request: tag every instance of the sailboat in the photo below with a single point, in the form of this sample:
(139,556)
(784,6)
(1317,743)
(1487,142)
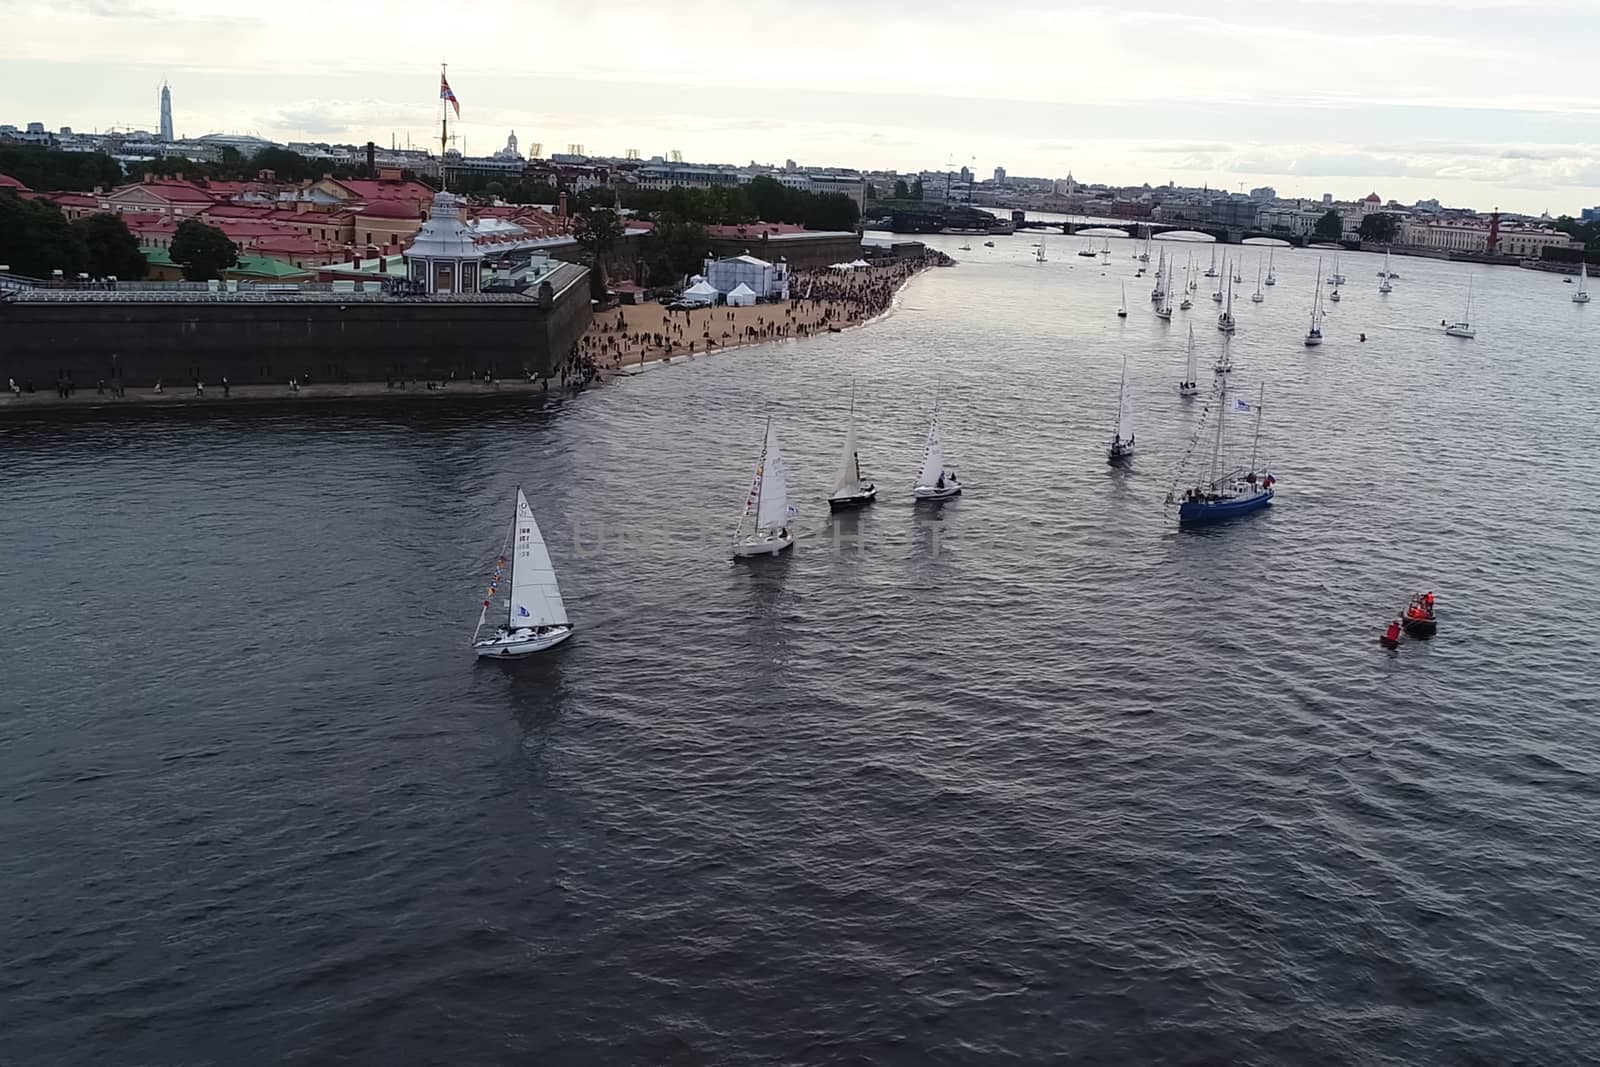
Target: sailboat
(1237,279)
(1582,295)
(1223,493)
(1188,284)
(1384,286)
(1157,293)
(1164,308)
(1216,297)
(1258,296)
(1272,279)
(1190,384)
(1225,321)
(1122,308)
(1464,328)
(933,481)
(768,503)
(1194,286)
(1335,279)
(965,246)
(1224,364)
(1106,250)
(1144,257)
(1211,271)
(1121,449)
(536,617)
(850,490)
(1089,250)
(1039,255)
(1334,296)
(1314,334)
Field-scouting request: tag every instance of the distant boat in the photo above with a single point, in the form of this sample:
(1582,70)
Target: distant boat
(933,481)
(964,247)
(1211,271)
(1334,296)
(1164,306)
(1582,295)
(1224,364)
(1225,321)
(536,616)
(1144,257)
(1122,309)
(767,504)
(1314,334)
(1157,293)
(1222,493)
(1384,286)
(1335,279)
(1039,255)
(988,244)
(850,490)
(1088,250)
(1272,279)
(1463,328)
(1121,449)
(1258,296)
(1190,384)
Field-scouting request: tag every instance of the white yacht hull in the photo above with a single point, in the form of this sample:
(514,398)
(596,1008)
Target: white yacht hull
(933,492)
(769,545)
(520,642)
(1188,390)
(1580,298)
(1458,330)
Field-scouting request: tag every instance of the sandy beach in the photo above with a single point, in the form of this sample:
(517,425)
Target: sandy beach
(632,335)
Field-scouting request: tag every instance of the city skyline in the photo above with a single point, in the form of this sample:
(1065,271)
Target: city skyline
(1123,96)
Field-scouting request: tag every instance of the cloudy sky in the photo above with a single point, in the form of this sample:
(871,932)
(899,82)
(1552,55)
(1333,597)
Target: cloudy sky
(1478,102)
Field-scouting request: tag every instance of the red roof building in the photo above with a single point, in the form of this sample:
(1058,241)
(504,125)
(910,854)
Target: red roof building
(8,182)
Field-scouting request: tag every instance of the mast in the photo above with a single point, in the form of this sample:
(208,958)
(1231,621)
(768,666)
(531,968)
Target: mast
(512,573)
(1222,409)
(761,468)
(1262,396)
(444,129)
(1121,389)
(850,428)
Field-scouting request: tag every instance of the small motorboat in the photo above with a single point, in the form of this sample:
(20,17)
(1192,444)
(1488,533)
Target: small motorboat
(988,244)
(1419,620)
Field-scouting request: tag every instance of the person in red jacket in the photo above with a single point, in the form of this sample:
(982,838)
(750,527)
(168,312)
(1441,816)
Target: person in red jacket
(1391,636)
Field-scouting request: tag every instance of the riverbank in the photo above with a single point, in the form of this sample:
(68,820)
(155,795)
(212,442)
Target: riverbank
(637,335)
(619,342)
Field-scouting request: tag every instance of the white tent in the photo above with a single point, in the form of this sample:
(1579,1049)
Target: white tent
(742,296)
(701,292)
(859,264)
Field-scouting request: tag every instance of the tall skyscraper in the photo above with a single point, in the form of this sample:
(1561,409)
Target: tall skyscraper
(166,112)
(999,175)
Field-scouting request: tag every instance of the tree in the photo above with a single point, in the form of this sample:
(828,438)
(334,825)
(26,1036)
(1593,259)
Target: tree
(35,238)
(598,231)
(1380,227)
(172,166)
(675,248)
(47,169)
(916,189)
(110,248)
(203,251)
(1330,227)
(901,192)
(496,190)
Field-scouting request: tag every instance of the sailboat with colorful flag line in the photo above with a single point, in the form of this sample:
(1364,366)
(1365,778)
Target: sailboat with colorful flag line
(767,504)
(536,616)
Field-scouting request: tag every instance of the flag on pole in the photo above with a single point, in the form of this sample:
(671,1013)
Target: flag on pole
(446,94)
(1240,405)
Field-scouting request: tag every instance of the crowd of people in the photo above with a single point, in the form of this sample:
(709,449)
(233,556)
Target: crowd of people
(819,301)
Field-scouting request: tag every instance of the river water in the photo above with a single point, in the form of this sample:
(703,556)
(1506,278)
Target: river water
(1033,776)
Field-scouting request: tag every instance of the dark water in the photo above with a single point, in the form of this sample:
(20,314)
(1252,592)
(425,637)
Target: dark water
(1030,779)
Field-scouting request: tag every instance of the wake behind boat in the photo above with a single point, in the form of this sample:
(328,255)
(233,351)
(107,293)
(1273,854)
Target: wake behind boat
(536,616)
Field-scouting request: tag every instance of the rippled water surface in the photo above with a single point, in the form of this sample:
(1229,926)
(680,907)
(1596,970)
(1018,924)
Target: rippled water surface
(1031,777)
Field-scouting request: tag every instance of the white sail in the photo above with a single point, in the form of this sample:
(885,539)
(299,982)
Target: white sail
(848,480)
(1583,276)
(932,457)
(535,596)
(772,509)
